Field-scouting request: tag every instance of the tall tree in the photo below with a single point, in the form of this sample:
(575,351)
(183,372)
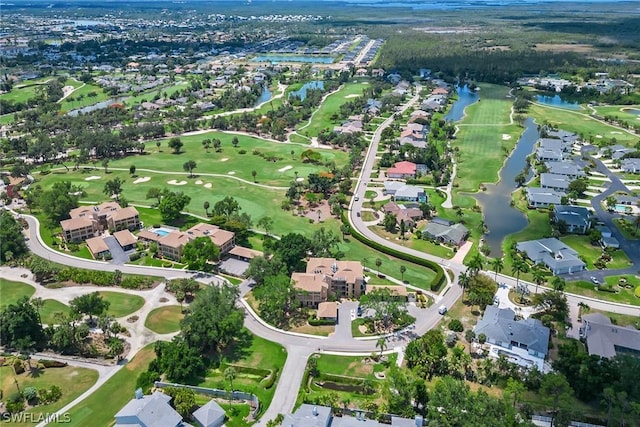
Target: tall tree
(189,166)
(277,300)
(113,187)
(497,264)
(59,200)
(172,204)
(199,252)
(12,240)
(92,304)
(20,323)
(176,145)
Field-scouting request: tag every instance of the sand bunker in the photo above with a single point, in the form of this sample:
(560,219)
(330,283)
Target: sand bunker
(616,132)
(224,159)
(207,185)
(231,173)
(506,137)
(598,136)
(284,169)
(174,182)
(92,178)
(299,179)
(353,95)
(142,179)
(199,182)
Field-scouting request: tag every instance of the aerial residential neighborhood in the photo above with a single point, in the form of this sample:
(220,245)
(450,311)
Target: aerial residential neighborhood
(320,213)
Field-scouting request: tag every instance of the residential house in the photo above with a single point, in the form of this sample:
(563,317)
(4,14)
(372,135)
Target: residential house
(308,416)
(607,340)
(630,165)
(328,310)
(554,154)
(125,239)
(244,254)
(223,239)
(148,411)
(345,278)
(552,181)
(124,219)
(528,339)
(209,415)
(97,247)
(567,168)
(577,219)
(410,193)
(170,246)
(87,221)
(558,257)
(403,213)
(452,234)
(311,289)
(402,170)
(349,127)
(563,135)
(616,151)
(543,197)
(78,229)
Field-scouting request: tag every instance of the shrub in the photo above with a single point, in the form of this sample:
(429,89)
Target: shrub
(243,151)
(134,256)
(49,396)
(456,325)
(30,393)
(18,367)
(482,338)
(313,321)
(469,335)
(637,292)
(146,379)
(15,407)
(52,363)
(272,379)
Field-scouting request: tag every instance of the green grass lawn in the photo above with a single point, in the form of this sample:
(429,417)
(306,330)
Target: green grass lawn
(80,97)
(369,216)
(122,304)
(322,117)
(621,112)
(627,228)
(11,292)
(480,138)
(164,320)
(100,408)
(591,253)
(581,123)
(537,228)
(49,310)
(261,354)
(583,287)
(73,381)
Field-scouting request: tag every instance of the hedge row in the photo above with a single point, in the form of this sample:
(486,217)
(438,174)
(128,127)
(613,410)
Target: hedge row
(246,369)
(272,379)
(320,322)
(437,281)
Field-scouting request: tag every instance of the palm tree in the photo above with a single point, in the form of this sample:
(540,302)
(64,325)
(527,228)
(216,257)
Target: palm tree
(206,208)
(519,266)
(402,270)
(230,375)
(253,174)
(38,303)
(381,344)
(497,264)
(464,280)
(558,284)
(475,264)
(378,264)
(538,276)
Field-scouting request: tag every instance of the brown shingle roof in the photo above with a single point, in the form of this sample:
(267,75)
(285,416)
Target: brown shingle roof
(308,282)
(125,213)
(75,223)
(175,239)
(125,238)
(97,245)
(328,309)
(349,270)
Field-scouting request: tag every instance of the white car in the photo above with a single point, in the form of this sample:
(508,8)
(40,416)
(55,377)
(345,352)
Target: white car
(442,310)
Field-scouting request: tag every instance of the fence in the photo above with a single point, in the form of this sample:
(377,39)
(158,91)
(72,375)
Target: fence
(234,395)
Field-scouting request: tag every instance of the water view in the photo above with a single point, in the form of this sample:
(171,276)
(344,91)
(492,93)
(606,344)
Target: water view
(500,217)
(295,58)
(264,96)
(557,101)
(466,97)
(302,92)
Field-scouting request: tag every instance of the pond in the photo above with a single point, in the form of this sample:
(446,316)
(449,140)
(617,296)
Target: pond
(295,58)
(557,101)
(466,97)
(632,111)
(302,92)
(264,96)
(500,217)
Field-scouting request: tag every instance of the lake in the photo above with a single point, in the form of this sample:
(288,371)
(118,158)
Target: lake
(295,58)
(557,101)
(264,96)
(302,92)
(500,217)
(466,97)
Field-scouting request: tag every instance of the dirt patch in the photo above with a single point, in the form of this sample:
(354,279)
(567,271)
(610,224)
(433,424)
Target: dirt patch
(501,48)
(564,47)
(357,368)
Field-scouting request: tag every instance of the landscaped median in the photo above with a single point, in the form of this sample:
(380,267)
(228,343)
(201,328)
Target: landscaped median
(436,284)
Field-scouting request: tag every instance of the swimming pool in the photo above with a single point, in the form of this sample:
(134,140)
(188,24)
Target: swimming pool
(161,231)
(623,209)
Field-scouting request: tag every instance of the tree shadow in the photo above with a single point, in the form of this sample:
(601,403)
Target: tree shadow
(35,372)
(240,348)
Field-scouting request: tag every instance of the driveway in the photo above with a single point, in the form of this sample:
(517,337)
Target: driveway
(234,266)
(118,256)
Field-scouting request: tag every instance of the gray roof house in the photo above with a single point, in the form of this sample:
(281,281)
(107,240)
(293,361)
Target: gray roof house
(576,218)
(550,154)
(148,411)
(543,197)
(563,135)
(552,144)
(557,256)
(308,416)
(410,193)
(607,340)
(554,182)
(455,234)
(630,165)
(567,168)
(209,415)
(501,328)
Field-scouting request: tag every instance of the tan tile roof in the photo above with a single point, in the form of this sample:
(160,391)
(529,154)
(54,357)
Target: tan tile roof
(349,270)
(308,282)
(243,252)
(175,239)
(82,211)
(107,207)
(125,213)
(125,237)
(97,245)
(218,236)
(76,223)
(328,309)
(148,235)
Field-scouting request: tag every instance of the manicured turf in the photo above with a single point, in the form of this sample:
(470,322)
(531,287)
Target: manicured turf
(164,320)
(100,408)
(73,101)
(580,123)
(480,138)
(322,117)
(620,112)
(122,304)
(11,292)
(586,288)
(261,354)
(49,310)
(350,366)
(591,253)
(73,381)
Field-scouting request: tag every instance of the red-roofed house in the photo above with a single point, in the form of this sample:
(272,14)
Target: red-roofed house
(402,170)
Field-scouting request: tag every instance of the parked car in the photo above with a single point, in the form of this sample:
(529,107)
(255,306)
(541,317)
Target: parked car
(442,310)
(595,281)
